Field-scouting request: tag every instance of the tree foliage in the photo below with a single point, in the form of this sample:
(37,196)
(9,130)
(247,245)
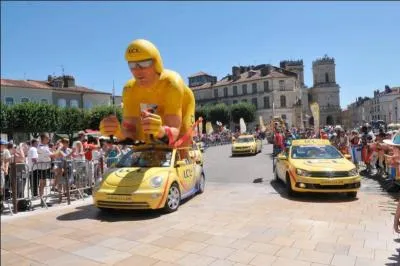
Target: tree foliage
(219,112)
(71,120)
(4,110)
(243,109)
(32,118)
(95,115)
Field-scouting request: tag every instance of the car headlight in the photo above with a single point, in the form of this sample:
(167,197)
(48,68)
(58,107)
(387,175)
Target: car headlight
(302,172)
(353,172)
(156,181)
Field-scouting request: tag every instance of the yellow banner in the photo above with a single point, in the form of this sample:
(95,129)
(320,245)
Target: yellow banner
(209,128)
(315,112)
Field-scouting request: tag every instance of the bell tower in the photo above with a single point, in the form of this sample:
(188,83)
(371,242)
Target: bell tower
(325,90)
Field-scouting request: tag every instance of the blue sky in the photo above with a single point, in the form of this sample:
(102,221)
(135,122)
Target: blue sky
(89,39)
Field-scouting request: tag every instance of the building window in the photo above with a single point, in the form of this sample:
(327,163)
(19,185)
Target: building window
(44,101)
(62,103)
(266,102)
(266,86)
(244,100)
(254,102)
(235,91)
(225,92)
(283,101)
(326,78)
(9,100)
(244,89)
(234,101)
(216,93)
(283,116)
(89,104)
(24,100)
(281,85)
(254,88)
(74,104)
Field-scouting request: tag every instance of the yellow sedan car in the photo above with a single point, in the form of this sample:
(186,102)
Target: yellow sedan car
(246,144)
(314,165)
(150,177)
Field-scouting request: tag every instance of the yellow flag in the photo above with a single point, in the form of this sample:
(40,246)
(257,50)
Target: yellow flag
(315,112)
(209,128)
(262,126)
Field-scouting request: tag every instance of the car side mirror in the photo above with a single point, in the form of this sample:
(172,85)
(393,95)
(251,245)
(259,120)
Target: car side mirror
(347,156)
(282,157)
(180,163)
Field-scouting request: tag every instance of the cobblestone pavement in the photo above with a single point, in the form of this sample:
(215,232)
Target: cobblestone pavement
(238,223)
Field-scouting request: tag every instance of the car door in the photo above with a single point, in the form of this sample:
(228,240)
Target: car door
(185,171)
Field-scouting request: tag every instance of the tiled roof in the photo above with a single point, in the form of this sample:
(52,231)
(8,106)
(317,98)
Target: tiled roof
(38,84)
(201,73)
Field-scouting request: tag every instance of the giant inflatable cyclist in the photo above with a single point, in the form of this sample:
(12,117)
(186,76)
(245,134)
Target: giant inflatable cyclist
(156,102)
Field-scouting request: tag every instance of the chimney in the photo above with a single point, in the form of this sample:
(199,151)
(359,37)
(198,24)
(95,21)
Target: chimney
(235,73)
(265,71)
(49,78)
(69,81)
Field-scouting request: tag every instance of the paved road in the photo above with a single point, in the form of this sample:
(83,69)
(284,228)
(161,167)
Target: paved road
(222,167)
(235,222)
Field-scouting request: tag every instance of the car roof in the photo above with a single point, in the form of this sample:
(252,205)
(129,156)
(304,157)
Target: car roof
(320,142)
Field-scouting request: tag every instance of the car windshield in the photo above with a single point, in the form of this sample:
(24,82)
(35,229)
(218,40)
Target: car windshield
(145,158)
(244,140)
(315,152)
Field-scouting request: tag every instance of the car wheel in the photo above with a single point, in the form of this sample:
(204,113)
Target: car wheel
(289,190)
(352,195)
(202,183)
(173,198)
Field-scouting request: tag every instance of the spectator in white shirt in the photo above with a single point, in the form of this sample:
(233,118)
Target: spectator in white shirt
(43,162)
(32,160)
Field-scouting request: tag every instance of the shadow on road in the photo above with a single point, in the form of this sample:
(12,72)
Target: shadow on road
(280,187)
(395,257)
(113,215)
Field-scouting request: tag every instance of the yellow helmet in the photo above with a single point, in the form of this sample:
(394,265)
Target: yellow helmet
(140,50)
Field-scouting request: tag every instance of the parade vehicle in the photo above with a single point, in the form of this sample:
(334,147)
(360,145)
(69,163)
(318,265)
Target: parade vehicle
(246,144)
(196,154)
(150,176)
(200,145)
(314,165)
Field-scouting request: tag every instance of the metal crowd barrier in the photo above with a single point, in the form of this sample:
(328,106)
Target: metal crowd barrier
(26,188)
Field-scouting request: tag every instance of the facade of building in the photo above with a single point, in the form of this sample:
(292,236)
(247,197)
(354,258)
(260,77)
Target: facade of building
(275,91)
(61,91)
(384,105)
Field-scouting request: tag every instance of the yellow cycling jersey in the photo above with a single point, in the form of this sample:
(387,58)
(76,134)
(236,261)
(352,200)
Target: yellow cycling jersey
(170,95)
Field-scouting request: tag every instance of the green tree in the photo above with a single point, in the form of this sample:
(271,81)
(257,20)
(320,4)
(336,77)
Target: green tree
(4,110)
(95,115)
(71,121)
(219,112)
(32,118)
(243,109)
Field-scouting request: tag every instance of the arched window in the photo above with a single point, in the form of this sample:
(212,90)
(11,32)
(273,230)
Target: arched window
(326,78)
(44,101)
(283,101)
(62,103)
(24,100)
(284,117)
(89,104)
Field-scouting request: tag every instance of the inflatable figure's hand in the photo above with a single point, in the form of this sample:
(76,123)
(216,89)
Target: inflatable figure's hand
(152,124)
(109,126)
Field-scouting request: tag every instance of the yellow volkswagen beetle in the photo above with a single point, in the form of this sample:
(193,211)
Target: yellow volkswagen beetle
(246,144)
(150,177)
(314,165)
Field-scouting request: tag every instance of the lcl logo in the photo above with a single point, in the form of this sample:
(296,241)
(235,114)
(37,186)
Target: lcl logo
(133,50)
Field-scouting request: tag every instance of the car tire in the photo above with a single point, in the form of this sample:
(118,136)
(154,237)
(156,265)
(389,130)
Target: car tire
(202,184)
(173,199)
(352,195)
(289,190)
